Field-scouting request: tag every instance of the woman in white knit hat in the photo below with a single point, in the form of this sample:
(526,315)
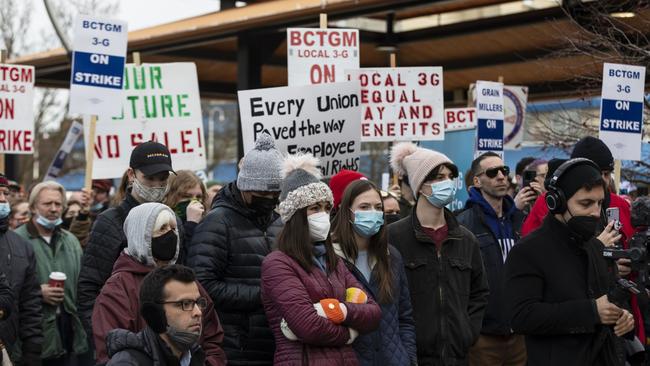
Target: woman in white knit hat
(304,284)
(443,263)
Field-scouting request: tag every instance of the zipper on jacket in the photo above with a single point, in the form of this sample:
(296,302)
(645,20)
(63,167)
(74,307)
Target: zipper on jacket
(441,302)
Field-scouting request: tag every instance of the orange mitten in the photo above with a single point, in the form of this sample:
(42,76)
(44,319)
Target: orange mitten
(356,296)
(333,311)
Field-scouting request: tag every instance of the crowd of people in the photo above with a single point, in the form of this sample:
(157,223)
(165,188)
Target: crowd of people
(279,267)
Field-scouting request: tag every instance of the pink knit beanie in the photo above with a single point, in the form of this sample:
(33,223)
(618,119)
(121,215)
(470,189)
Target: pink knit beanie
(408,159)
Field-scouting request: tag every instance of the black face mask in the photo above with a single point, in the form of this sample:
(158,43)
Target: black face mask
(263,205)
(391,218)
(163,247)
(67,222)
(584,227)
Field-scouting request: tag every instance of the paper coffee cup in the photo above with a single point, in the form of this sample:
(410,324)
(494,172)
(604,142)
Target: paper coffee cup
(57,279)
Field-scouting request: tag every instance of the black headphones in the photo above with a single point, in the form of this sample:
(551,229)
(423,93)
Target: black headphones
(154,315)
(555,197)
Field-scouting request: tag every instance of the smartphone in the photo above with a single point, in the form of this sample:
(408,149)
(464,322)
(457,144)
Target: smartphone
(613,214)
(529,176)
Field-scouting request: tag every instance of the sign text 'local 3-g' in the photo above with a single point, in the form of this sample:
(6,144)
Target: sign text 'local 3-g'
(621,110)
(97,66)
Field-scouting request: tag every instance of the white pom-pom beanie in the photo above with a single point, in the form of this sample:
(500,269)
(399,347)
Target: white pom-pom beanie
(415,162)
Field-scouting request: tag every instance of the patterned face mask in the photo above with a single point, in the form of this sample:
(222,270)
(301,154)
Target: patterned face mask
(149,194)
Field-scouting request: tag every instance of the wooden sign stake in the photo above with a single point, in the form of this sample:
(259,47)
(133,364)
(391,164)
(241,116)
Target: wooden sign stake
(90,153)
(323,21)
(3,59)
(617,175)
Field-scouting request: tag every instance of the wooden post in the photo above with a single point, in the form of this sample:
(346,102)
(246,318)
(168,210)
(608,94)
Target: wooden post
(617,175)
(323,21)
(136,58)
(393,59)
(90,153)
(500,79)
(393,64)
(3,59)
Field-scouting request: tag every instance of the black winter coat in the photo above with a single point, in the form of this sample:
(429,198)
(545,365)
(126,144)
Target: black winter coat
(449,291)
(18,263)
(145,348)
(552,281)
(105,243)
(496,320)
(6,297)
(226,252)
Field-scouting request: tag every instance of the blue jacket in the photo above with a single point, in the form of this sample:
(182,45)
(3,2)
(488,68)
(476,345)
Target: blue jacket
(496,237)
(393,344)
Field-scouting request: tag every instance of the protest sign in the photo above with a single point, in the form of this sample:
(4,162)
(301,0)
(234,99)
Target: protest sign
(16,109)
(621,110)
(318,56)
(160,103)
(404,103)
(515,99)
(490,113)
(97,66)
(75,131)
(320,119)
(460,119)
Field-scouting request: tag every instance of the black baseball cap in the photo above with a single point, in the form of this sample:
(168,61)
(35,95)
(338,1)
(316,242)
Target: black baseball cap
(151,158)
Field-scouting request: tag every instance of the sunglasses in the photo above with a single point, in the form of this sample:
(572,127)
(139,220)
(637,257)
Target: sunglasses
(493,172)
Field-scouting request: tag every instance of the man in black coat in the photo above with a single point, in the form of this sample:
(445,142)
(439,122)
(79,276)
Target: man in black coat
(172,307)
(229,246)
(18,263)
(148,173)
(446,277)
(557,279)
(495,219)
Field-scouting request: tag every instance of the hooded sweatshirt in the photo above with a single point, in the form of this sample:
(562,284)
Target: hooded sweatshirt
(117,305)
(501,227)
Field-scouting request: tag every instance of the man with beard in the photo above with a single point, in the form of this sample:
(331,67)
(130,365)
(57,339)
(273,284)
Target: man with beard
(228,248)
(173,309)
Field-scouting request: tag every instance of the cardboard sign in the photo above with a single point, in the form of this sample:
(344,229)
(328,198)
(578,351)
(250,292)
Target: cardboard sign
(323,120)
(621,110)
(460,119)
(161,103)
(75,131)
(401,103)
(16,109)
(318,56)
(97,66)
(490,114)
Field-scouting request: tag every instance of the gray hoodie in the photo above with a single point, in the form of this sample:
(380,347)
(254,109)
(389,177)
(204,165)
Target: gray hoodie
(138,229)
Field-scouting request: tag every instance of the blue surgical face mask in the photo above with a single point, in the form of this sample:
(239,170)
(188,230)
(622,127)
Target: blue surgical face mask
(48,224)
(5,209)
(442,193)
(368,223)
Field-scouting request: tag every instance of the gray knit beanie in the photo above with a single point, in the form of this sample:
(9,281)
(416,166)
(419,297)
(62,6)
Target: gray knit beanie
(301,186)
(261,168)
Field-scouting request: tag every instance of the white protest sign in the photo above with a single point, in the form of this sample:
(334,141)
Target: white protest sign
(460,119)
(318,56)
(160,103)
(16,109)
(405,103)
(320,119)
(621,110)
(97,66)
(515,99)
(490,114)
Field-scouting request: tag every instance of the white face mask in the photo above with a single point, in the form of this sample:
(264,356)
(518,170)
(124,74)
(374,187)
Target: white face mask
(319,226)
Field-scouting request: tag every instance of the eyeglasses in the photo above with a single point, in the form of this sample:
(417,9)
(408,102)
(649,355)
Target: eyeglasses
(188,305)
(493,172)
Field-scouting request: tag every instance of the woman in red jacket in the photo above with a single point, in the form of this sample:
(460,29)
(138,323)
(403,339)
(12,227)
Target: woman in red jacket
(304,283)
(150,229)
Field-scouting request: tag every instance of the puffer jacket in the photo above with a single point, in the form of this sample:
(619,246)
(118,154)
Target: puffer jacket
(393,344)
(6,297)
(145,349)
(116,308)
(105,243)
(226,252)
(289,292)
(449,290)
(24,326)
